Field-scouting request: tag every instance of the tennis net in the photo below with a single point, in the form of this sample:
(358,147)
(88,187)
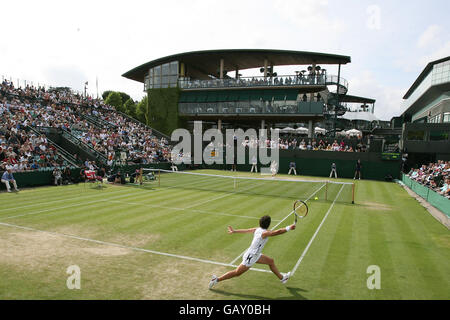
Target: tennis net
(265,187)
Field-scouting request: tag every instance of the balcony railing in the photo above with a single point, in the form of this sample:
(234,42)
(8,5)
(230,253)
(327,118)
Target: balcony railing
(215,108)
(255,82)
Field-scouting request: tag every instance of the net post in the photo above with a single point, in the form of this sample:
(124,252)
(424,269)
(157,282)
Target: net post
(353,193)
(326,190)
(159,178)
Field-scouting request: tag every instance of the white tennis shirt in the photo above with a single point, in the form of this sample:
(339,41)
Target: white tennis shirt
(258,242)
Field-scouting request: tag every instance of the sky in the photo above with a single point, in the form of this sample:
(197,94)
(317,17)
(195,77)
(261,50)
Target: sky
(66,43)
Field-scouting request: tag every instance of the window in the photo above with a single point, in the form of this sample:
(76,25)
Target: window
(416,135)
(174,68)
(446,118)
(165,69)
(163,76)
(438,135)
(435,119)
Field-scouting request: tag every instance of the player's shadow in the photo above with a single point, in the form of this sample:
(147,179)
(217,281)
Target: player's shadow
(294,295)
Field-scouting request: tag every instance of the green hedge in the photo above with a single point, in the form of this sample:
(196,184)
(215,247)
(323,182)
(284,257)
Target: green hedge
(163,110)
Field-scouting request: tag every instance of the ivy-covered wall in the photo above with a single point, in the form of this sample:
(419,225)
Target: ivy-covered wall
(163,110)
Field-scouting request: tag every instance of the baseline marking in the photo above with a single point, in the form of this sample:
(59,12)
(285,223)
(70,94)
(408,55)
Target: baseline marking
(128,247)
(59,200)
(64,207)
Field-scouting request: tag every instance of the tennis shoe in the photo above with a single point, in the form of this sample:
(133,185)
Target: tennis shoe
(213,281)
(286,277)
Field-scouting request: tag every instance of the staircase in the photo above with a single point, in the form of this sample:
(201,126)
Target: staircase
(63,152)
(84,151)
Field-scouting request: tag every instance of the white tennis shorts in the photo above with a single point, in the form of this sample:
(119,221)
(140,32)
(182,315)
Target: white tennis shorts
(249,259)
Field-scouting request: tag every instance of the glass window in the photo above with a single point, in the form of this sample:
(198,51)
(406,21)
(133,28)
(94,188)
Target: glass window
(173,79)
(438,135)
(435,119)
(174,68)
(165,69)
(156,82)
(157,71)
(416,135)
(165,80)
(446,117)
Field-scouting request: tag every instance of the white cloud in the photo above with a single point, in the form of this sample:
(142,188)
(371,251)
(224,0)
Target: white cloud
(429,37)
(439,53)
(388,98)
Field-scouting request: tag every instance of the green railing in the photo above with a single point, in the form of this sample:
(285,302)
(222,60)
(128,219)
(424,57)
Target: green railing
(87,148)
(66,155)
(250,108)
(432,197)
(255,82)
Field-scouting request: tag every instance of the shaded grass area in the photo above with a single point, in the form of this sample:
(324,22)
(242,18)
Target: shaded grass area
(385,227)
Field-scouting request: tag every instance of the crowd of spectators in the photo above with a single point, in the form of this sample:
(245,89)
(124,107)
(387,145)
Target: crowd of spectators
(125,135)
(300,79)
(435,176)
(23,150)
(309,144)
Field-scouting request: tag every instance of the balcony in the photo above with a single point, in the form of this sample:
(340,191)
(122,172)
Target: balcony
(265,82)
(258,108)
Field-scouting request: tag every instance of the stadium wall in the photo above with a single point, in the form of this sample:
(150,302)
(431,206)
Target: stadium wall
(318,163)
(37,178)
(45,178)
(432,197)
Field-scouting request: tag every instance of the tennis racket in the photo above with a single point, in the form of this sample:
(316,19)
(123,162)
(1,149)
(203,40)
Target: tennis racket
(300,210)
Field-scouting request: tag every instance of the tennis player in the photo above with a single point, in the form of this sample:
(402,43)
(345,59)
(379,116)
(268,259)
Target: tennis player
(254,253)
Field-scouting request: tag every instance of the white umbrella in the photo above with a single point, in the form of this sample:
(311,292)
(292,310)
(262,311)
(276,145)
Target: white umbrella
(353,132)
(301,130)
(288,129)
(319,130)
(342,133)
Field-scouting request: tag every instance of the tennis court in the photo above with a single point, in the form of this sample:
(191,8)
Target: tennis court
(165,239)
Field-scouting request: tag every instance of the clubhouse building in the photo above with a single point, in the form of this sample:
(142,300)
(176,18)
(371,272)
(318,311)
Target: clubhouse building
(426,119)
(210,88)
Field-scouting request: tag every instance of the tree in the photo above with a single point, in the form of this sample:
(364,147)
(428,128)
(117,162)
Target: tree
(130,108)
(105,94)
(115,99)
(124,96)
(142,110)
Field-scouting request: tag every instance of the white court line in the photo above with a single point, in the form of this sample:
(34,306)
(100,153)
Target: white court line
(80,204)
(83,197)
(183,209)
(128,247)
(280,221)
(315,234)
(220,197)
(59,200)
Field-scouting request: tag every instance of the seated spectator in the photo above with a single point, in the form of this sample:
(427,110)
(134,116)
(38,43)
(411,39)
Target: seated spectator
(8,178)
(57,175)
(67,176)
